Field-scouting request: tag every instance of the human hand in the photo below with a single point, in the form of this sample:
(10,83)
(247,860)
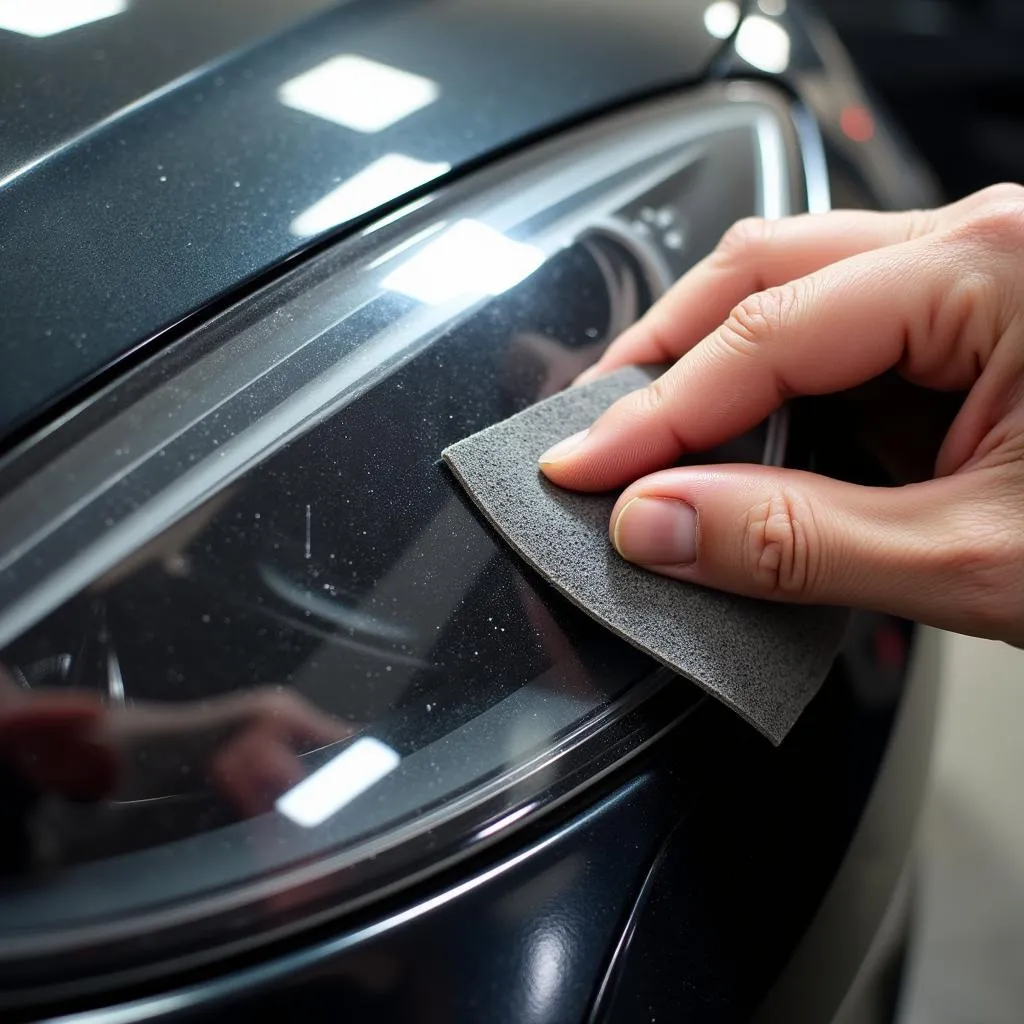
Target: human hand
(50,739)
(811,305)
(68,742)
(248,744)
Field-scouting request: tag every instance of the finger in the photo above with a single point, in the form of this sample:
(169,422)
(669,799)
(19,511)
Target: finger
(993,410)
(942,552)
(909,305)
(756,254)
(753,255)
(254,769)
(53,740)
(297,719)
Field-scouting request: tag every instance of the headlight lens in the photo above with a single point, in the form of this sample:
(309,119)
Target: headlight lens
(304,669)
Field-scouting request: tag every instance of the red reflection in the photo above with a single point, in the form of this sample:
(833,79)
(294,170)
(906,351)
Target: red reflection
(857,123)
(890,648)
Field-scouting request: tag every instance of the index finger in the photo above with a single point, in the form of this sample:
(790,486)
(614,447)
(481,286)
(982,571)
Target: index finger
(826,332)
(753,255)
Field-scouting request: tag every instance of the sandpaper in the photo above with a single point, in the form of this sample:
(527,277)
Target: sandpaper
(765,660)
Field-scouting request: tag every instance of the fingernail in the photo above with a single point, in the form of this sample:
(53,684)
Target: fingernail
(586,376)
(656,531)
(563,448)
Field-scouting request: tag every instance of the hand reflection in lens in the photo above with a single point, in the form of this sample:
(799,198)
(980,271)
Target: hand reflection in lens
(247,745)
(51,739)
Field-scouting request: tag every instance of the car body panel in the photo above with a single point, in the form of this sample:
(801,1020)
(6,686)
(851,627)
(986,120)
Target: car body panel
(61,80)
(196,189)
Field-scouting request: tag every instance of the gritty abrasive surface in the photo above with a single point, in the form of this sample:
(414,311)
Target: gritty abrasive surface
(763,659)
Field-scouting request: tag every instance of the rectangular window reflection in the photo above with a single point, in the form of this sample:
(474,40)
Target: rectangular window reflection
(40,18)
(338,782)
(358,93)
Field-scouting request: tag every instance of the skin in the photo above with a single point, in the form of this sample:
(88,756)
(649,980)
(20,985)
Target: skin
(812,305)
(247,744)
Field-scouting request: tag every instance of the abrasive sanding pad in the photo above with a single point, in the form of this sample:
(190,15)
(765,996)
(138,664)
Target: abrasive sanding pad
(763,659)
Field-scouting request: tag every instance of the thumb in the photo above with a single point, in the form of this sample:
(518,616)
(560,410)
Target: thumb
(946,552)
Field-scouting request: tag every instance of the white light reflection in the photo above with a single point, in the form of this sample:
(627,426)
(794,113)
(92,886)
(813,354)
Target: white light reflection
(721,18)
(358,93)
(547,957)
(776,8)
(39,18)
(338,782)
(503,823)
(385,179)
(764,44)
(469,258)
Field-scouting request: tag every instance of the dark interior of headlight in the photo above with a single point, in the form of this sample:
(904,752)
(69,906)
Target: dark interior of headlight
(348,568)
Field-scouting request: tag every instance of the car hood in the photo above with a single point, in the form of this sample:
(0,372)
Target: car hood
(166,155)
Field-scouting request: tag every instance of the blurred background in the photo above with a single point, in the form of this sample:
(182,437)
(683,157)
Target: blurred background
(968,964)
(952,73)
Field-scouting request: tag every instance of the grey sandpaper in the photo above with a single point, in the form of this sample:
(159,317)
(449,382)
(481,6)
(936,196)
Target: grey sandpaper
(764,659)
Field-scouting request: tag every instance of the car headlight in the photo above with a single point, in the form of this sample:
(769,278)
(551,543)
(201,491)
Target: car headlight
(263,506)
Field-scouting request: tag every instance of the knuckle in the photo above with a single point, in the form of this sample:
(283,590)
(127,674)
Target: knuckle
(971,307)
(781,546)
(271,702)
(1003,192)
(743,239)
(997,224)
(650,401)
(760,317)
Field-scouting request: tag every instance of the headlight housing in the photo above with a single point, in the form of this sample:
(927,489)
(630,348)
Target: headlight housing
(252,536)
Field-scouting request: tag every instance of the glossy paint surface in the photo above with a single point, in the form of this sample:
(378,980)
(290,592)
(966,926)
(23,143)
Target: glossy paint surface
(56,86)
(158,212)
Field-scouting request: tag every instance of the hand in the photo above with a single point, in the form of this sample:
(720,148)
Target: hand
(811,305)
(247,743)
(69,743)
(50,739)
